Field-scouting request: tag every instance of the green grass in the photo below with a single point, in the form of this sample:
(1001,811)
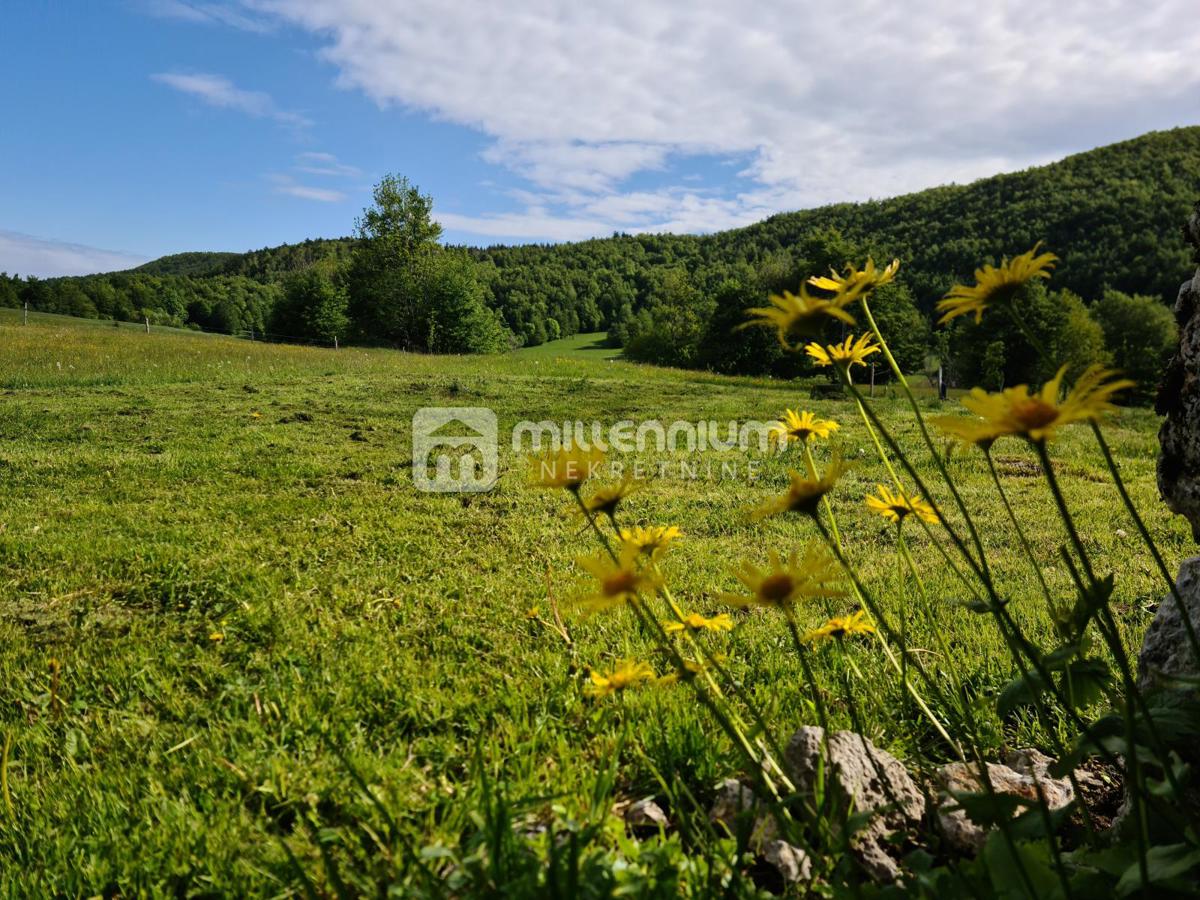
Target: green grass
(590,346)
(157,490)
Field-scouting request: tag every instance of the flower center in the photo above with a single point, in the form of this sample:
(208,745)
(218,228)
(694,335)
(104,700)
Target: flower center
(622,582)
(776,588)
(1034,413)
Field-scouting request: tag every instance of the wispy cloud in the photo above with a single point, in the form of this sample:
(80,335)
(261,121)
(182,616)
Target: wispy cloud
(207,14)
(24,254)
(325,164)
(218,91)
(288,186)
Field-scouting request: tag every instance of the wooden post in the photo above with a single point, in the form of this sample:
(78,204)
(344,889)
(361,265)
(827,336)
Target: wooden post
(872,379)
(251,332)
(25,316)
(147,320)
(941,384)
(335,344)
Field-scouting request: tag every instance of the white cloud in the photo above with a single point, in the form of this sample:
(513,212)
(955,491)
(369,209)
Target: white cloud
(325,164)
(218,91)
(23,254)
(288,186)
(829,100)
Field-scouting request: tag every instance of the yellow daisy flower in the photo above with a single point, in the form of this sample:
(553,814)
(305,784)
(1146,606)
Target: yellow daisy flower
(1037,416)
(803,493)
(568,467)
(606,499)
(697,622)
(897,507)
(849,352)
(626,674)
(840,627)
(995,284)
(817,574)
(618,582)
(652,540)
(856,282)
(797,314)
(800,426)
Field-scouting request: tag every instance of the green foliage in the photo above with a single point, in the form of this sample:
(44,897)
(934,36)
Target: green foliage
(312,306)
(1141,334)
(1025,341)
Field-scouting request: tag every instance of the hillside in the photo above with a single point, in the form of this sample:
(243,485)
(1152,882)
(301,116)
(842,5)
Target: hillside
(1111,214)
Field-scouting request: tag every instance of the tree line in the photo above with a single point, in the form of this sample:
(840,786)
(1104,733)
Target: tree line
(1112,215)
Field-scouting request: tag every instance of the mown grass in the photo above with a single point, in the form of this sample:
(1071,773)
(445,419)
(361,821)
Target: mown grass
(217,547)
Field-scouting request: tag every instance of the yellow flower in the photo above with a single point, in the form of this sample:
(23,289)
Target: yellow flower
(568,467)
(652,541)
(802,314)
(897,507)
(626,674)
(849,352)
(606,499)
(803,494)
(697,622)
(619,582)
(1037,416)
(782,585)
(217,636)
(994,285)
(794,426)
(840,627)
(856,283)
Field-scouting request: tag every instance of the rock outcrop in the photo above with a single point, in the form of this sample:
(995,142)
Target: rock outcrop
(1179,401)
(867,779)
(1024,773)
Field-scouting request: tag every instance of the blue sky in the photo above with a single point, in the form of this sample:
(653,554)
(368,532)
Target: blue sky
(136,128)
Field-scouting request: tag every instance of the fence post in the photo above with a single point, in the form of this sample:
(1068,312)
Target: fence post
(251,332)
(872,379)
(147,319)
(335,346)
(25,316)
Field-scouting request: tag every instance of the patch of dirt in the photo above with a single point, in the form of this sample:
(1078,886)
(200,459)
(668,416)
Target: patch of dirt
(1016,467)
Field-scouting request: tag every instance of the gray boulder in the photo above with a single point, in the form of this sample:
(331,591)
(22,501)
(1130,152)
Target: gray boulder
(865,779)
(1025,774)
(1166,649)
(1179,401)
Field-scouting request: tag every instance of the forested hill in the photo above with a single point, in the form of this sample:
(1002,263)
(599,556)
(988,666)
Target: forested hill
(1112,215)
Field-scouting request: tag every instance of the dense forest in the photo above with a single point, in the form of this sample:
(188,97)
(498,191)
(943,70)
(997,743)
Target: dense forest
(1111,214)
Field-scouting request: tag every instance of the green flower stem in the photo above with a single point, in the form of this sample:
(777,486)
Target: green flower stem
(890,633)
(1145,533)
(937,458)
(727,722)
(1025,545)
(812,473)
(981,572)
(1132,764)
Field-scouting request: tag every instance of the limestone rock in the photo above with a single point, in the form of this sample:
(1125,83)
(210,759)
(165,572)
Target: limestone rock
(1025,772)
(1179,401)
(867,779)
(734,803)
(1166,649)
(791,862)
(646,815)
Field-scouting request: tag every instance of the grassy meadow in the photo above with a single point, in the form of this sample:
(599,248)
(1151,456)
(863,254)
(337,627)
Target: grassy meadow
(235,642)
